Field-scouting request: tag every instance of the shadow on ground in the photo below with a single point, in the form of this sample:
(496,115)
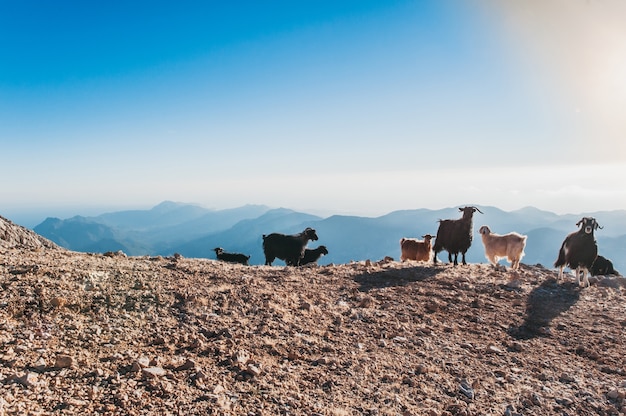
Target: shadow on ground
(394,277)
(545,302)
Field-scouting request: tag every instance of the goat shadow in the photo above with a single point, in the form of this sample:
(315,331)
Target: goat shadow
(394,277)
(545,302)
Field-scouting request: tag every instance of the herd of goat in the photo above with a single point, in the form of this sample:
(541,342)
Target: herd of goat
(579,250)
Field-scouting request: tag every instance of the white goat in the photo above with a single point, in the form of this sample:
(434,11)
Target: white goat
(498,246)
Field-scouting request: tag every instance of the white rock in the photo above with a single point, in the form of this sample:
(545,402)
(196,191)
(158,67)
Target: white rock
(28,380)
(154,372)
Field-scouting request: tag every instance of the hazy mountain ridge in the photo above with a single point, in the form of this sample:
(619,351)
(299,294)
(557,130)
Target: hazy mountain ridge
(194,231)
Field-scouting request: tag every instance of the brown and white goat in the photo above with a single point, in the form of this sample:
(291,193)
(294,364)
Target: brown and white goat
(579,250)
(510,246)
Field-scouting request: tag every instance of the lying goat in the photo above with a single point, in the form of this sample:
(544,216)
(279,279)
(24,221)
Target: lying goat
(603,267)
(231,257)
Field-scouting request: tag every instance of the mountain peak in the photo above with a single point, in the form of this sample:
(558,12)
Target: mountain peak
(166,206)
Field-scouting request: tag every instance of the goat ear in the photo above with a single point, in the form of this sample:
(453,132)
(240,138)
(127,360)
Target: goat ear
(578,223)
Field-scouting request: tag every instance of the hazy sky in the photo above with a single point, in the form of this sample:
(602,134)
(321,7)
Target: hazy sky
(355,106)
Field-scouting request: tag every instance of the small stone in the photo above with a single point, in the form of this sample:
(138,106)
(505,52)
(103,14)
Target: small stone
(466,389)
(494,350)
(58,302)
(566,378)
(40,365)
(514,284)
(408,381)
(254,370)
(565,401)
(241,357)
(432,305)
(154,372)
(143,361)
(76,402)
(421,369)
(366,302)
(536,399)
(160,340)
(187,365)
(115,357)
(92,392)
(510,411)
(63,361)
(544,331)
(28,380)
(517,346)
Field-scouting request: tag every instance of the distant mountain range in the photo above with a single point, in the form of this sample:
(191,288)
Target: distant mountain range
(193,231)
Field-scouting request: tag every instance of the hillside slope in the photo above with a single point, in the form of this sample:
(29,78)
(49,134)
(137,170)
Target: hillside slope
(13,235)
(107,334)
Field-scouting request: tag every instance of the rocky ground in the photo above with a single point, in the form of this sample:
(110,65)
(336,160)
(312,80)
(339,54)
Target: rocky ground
(116,335)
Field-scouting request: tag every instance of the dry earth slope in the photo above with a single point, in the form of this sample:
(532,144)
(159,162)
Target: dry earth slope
(113,335)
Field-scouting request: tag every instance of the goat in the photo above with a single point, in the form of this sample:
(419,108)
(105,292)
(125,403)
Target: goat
(313,255)
(413,249)
(579,250)
(602,267)
(455,236)
(289,248)
(498,246)
(231,257)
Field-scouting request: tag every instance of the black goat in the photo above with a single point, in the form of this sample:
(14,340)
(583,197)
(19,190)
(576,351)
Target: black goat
(231,257)
(289,248)
(313,255)
(602,267)
(455,236)
(579,250)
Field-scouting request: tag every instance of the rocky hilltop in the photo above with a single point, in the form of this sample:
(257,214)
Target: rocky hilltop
(112,335)
(13,235)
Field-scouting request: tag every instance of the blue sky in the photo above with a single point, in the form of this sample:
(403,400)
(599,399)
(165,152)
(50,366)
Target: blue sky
(359,107)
